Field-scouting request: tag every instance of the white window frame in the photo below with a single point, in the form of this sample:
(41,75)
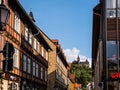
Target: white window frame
(46,55)
(37,46)
(35,41)
(16,58)
(17,23)
(26,32)
(30,38)
(42,51)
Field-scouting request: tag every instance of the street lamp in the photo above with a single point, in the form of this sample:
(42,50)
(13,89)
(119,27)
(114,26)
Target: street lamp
(4,15)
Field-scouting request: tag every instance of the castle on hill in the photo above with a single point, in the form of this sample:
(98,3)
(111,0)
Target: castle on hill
(83,63)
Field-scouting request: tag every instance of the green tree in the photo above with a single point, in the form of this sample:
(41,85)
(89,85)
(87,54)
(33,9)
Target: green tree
(83,74)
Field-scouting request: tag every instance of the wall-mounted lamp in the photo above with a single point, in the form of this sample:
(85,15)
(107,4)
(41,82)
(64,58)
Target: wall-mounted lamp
(4,15)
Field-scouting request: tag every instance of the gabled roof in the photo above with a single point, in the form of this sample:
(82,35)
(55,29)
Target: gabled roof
(60,52)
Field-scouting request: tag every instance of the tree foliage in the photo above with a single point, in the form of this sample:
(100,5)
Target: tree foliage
(83,74)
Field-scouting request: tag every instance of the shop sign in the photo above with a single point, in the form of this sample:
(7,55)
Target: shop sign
(116,76)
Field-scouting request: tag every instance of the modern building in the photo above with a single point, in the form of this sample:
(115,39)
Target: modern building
(106,45)
(30,60)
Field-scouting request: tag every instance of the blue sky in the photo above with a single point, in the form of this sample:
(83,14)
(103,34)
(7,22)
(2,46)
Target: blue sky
(69,21)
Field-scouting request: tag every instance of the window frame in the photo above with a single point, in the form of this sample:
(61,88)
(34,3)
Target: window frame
(16,58)
(17,22)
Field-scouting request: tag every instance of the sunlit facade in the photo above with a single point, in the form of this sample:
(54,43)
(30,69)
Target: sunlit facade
(30,60)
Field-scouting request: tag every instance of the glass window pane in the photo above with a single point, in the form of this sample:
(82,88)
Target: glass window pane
(119,13)
(29,65)
(16,58)
(111,3)
(36,70)
(24,62)
(33,68)
(111,13)
(112,56)
(17,23)
(30,38)
(26,33)
(118,3)
(35,41)
(112,49)
(41,73)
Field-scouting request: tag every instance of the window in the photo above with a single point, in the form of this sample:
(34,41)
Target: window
(45,75)
(24,63)
(41,71)
(16,58)
(46,55)
(118,3)
(33,68)
(12,86)
(35,41)
(30,38)
(36,70)
(111,3)
(112,49)
(26,33)
(42,51)
(112,55)
(17,23)
(111,8)
(29,65)
(111,13)
(118,8)
(36,45)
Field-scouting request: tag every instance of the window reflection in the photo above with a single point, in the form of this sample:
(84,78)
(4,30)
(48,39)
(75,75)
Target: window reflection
(111,13)
(111,3)
(118,3)
(111,49)
(112,54)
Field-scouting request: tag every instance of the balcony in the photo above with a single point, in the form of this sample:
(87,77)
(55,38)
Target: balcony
(58,77)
